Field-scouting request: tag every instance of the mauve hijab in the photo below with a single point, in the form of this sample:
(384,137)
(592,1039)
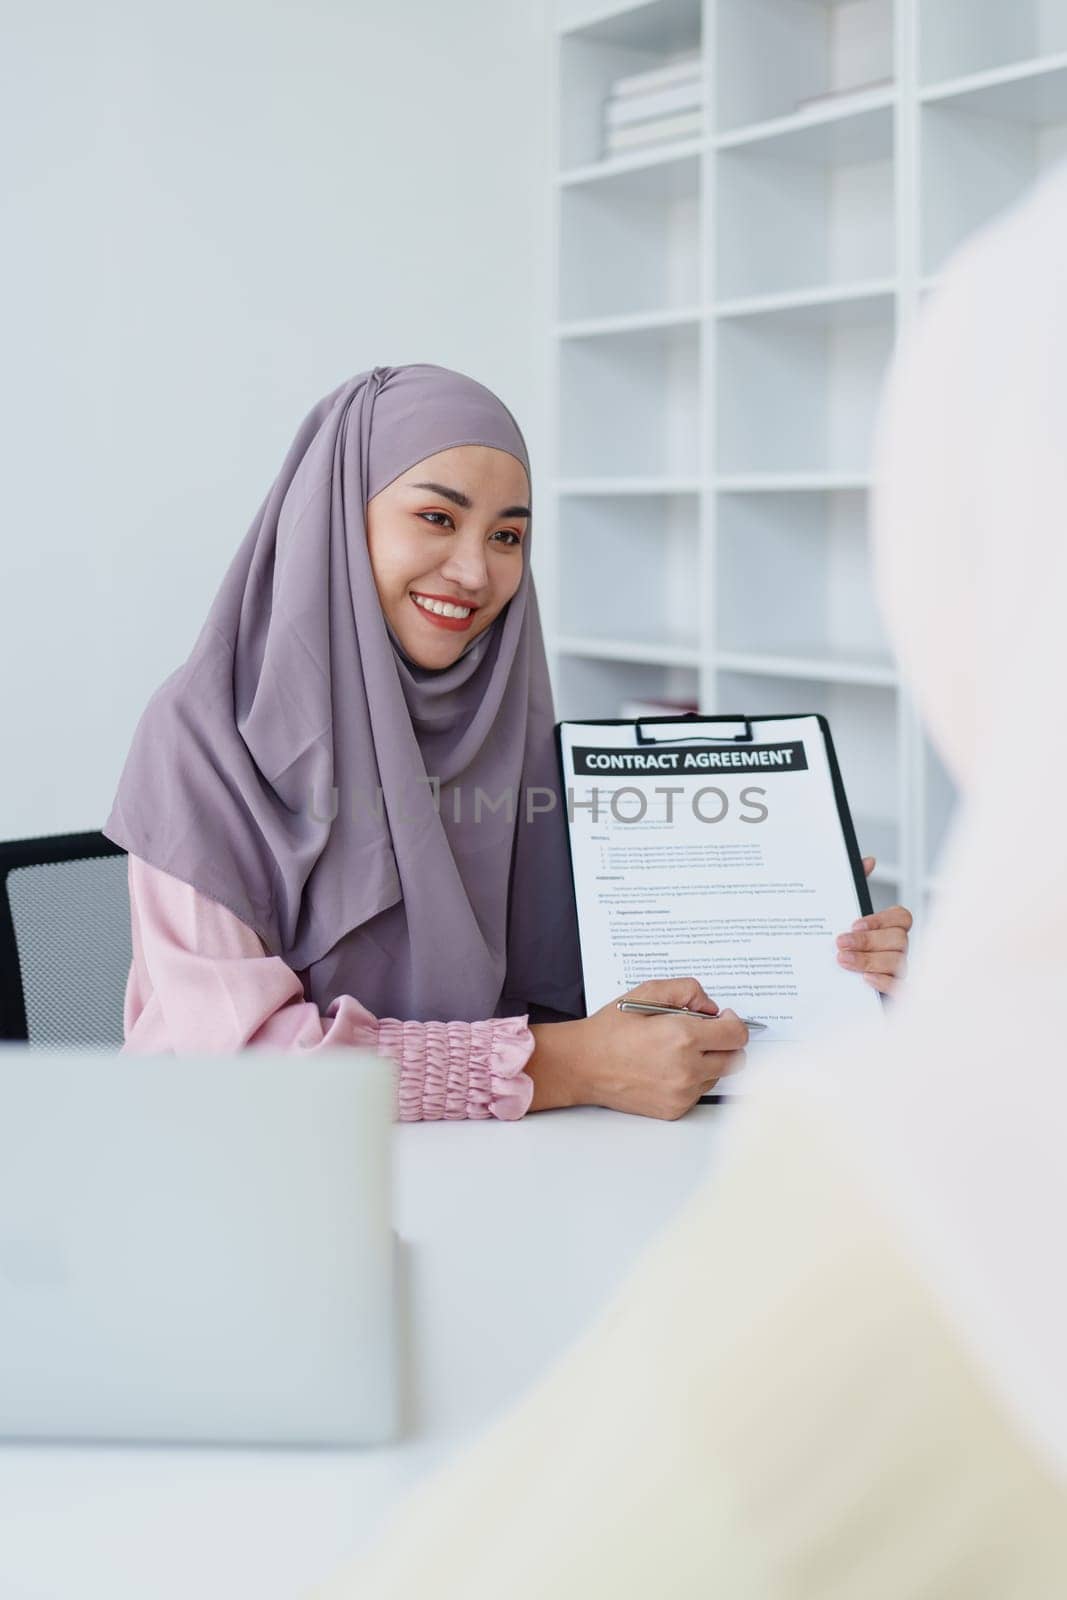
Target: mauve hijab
(254,771)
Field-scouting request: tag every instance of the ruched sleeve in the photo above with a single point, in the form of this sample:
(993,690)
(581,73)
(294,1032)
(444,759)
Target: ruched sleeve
(202,981)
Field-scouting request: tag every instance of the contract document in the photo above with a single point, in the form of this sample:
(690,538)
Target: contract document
(719,849)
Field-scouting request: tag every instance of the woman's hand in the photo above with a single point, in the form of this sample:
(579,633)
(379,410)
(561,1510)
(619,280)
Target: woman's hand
(657,1066)
(877,946)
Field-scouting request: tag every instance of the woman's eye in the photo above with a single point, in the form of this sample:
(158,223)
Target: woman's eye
(509,534)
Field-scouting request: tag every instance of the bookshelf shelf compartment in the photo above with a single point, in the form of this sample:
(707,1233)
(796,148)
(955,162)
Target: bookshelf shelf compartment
(780,58)
(597,49)
(981,146)
(632,242)
(862,722)
(802,211)
(589,687)
(630,403)
(629,573)
(958,37)
(798,390)
(794,581)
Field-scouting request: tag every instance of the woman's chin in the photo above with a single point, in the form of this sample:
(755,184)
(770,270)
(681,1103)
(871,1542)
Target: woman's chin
(439,652)
(430,646)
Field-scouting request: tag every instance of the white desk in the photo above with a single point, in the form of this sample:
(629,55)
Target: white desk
(516,1235)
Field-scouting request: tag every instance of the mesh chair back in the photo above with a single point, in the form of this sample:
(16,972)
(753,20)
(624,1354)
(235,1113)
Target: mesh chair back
(65,946)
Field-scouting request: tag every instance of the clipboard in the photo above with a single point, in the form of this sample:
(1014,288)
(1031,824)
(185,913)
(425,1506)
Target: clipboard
(737,732)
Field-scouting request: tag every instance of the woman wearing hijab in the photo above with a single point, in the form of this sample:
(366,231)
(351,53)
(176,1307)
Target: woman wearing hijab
(343,812)
(842,1373)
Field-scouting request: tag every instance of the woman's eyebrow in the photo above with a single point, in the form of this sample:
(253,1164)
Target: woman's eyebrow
(460,499)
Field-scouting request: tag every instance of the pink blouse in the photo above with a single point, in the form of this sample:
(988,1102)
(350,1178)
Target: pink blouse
(202,981)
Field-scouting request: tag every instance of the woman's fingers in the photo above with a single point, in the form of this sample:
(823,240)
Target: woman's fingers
(881,931)
(882,982)
(877,939)
(726,1032)
(892,917)
(732,1063)
(877,945)
(868,864)
(673,992)
(890,961)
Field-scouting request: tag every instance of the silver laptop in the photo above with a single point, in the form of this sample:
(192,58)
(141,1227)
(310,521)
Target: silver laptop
(197,1247)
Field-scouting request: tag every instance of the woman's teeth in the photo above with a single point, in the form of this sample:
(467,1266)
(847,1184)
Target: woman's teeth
(441,609)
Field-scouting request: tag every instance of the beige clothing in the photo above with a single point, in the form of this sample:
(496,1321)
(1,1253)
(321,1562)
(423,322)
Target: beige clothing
(774,1408)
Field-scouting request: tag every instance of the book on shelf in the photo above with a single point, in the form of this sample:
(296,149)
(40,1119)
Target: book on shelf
(640,107)
(680,126)
(834,96)
(686,64)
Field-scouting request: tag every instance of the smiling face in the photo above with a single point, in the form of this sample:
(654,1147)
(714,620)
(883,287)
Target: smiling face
(450,532)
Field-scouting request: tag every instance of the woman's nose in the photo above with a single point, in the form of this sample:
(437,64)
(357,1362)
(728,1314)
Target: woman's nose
(467,567)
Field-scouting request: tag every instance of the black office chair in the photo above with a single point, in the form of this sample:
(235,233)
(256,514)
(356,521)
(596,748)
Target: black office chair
(65,947)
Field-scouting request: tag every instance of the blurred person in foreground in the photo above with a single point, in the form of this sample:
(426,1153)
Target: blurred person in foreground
(842,1371)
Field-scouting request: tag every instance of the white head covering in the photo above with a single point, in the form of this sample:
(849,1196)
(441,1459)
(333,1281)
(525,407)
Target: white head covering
(967,1125)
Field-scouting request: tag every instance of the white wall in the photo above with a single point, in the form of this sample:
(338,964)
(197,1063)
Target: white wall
(215,213)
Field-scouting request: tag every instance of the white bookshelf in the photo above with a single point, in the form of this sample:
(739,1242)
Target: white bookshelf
(724,309)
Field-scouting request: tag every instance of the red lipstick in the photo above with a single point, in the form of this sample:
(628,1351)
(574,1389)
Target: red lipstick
(454,624)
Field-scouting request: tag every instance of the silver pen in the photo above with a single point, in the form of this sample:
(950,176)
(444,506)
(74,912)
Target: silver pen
(681,1011)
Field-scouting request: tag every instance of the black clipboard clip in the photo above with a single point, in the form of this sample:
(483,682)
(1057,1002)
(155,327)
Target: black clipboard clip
(688,738)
